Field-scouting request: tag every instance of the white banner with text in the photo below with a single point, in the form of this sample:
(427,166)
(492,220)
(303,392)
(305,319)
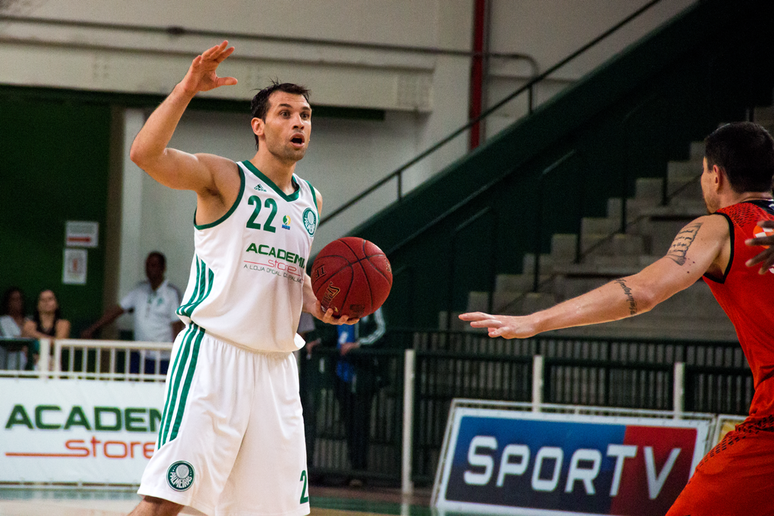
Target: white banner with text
(84,431)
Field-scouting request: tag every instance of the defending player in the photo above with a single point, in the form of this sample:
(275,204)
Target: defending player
(231,439)
(737,477)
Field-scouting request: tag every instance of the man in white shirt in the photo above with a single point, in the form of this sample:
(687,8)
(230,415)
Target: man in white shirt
(153,303)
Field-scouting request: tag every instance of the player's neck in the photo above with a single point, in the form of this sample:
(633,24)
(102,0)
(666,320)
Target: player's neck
(747,196)
(278,171)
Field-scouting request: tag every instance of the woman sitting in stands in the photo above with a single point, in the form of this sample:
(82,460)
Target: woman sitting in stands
(11,323)
(46,322)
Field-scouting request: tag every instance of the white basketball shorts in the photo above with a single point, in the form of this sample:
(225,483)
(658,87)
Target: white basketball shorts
(231,438)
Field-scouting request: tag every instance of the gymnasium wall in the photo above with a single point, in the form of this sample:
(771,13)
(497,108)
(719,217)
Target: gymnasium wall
(54,169)
(397,103)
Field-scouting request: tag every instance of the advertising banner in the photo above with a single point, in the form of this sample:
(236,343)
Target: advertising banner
(520,462)
(77,430)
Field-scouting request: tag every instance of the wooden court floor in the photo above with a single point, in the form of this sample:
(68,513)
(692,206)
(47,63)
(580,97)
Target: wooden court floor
(325,501)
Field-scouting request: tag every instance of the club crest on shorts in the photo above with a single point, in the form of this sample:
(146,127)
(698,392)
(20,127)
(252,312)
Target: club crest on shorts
(180,475)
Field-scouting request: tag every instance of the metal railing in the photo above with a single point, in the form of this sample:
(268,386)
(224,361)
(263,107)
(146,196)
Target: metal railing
(409,389)
(665,375)
(528,89)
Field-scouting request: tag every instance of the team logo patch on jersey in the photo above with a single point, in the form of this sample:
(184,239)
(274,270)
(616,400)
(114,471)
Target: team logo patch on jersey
(180,475)
(285,222)
(310,221)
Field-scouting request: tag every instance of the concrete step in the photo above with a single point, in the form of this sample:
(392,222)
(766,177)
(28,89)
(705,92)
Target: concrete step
(763,115)
(662,232)
(563,247)
(595,270)
(649,188)
(528,263)
(679,208)
(683,170)
(690,190)
(517,283)
(599,225)
(697,151)
(615,244)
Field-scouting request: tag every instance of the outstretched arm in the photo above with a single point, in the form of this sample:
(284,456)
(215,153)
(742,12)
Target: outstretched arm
(695,250)
(110,315)
(170,167)
(765,257)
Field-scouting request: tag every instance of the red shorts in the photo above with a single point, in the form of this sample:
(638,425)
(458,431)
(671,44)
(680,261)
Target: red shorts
(736,477)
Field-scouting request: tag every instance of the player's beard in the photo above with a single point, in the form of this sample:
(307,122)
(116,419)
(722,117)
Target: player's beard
(285,152)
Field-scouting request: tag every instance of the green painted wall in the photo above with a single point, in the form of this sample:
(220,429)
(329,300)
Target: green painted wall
(53,168)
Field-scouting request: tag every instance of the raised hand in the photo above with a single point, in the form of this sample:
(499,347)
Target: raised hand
(201,75)
(765,257)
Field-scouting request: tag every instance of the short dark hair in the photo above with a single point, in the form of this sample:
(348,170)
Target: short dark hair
(745,151)
(160,256)
(259,106)
(7,299)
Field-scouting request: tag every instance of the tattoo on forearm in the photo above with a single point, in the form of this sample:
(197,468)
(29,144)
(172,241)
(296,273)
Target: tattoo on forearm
(682,242)
(629,296)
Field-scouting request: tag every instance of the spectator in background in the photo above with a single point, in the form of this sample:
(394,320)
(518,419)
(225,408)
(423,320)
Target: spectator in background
(11,324)
(46,323)
(358,379)
(154,303)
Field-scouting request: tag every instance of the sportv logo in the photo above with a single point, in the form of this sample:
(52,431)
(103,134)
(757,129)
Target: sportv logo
(590,467)
(584,466)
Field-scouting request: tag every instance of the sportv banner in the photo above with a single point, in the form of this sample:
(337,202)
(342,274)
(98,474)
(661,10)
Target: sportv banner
(77,430)
(540,464)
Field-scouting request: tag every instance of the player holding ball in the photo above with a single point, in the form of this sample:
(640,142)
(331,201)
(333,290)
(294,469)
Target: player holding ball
(231,438)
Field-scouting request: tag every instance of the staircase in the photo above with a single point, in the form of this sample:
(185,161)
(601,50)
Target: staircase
(607,254)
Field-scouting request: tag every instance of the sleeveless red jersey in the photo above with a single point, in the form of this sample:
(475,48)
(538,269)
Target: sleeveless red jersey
(748,299)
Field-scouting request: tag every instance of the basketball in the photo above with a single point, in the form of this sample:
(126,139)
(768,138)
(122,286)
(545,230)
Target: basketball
(762,232)
(352,276)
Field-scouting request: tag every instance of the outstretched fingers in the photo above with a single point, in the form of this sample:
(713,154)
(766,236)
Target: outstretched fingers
(480,319)
(766,257)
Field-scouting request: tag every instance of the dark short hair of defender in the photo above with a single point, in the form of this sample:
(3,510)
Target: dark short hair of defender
(259,106)
(745,151)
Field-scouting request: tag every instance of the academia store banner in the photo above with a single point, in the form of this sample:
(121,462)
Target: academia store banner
(77,430)
(569,464)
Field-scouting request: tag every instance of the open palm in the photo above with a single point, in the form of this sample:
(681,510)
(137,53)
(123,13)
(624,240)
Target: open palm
(202,74)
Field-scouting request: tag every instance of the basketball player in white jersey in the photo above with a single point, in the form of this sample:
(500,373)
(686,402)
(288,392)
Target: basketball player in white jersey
(231,438)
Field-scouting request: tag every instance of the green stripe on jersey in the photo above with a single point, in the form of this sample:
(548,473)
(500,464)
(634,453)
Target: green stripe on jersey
(204,279)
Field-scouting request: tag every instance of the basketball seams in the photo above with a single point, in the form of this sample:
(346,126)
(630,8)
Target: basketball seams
(368,282)
(362,290)
(377,269)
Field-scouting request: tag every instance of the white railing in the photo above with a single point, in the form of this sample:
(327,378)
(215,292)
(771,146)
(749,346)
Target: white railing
(110,360)
(96,360)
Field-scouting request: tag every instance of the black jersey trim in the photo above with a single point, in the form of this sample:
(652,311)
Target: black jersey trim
(233,206)
(730,256)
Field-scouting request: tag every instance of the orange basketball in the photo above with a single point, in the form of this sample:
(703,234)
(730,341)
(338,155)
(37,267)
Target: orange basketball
(762,232)
(352,276)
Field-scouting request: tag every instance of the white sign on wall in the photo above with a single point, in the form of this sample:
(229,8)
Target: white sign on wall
(77,430)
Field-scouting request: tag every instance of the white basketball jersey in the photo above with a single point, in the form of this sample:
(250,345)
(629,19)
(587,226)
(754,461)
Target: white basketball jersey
(247,277)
